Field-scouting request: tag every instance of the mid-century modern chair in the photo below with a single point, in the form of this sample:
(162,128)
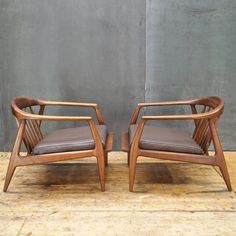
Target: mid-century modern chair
(64,144)
(176,144)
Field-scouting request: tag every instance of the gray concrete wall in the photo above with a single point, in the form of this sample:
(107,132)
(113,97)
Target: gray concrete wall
(87,50)
(73,50)
(191,52)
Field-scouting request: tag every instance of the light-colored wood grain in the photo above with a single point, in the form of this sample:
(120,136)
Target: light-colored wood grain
(170,198)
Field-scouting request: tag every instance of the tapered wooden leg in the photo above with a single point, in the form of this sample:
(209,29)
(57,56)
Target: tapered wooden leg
(225,174)
(220,154)
(132,170)
(101,171)
(14,155)
(10,172)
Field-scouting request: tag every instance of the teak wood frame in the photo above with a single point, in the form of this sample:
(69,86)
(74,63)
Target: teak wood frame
(30,133)
(205,132)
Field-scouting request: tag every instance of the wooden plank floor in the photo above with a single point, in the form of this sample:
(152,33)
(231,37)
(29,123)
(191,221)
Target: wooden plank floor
(169,199)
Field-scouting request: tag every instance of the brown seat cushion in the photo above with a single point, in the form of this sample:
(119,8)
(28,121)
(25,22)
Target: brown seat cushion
(72,139)
(165,139)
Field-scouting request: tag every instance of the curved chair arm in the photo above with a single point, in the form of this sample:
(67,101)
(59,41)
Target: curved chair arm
(152,104)
(42,103)
(28,116)
(22,116)
(192,103)
(61,103)
(167,103)
(79,104)
(206,115)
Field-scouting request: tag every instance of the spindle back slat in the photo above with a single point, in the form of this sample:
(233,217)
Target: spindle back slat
(202,132)
(32,132)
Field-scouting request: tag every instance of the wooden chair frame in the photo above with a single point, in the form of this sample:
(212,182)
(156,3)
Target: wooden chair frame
(29,132)
(205,132)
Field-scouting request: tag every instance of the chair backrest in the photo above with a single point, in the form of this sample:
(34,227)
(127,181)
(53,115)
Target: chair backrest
(32,133)
(202,133)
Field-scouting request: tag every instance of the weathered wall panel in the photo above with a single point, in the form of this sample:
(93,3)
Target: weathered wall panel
(191,53)
(75,50)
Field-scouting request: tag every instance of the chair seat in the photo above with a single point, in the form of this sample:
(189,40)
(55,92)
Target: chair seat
(72,139)
(165,139)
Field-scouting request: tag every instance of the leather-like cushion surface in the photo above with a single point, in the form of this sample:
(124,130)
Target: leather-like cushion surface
(165,139)
(72,139)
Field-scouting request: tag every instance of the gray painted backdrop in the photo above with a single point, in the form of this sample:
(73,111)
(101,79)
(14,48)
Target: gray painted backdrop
(87,50)
(73,50)
(191,52)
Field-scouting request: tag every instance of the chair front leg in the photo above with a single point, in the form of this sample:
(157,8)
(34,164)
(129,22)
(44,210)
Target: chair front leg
(134,153)
(132,169)
(10,171)
(99,152)
(220,155)
(14,156)
(101,168)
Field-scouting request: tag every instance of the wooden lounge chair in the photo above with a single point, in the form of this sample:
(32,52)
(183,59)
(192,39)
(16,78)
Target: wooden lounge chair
(175,144)
(60,145)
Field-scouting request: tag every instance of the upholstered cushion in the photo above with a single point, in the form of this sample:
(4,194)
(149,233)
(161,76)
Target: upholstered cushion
(165,139)
(72,139)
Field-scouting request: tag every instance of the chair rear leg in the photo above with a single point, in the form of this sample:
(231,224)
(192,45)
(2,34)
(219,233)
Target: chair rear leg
(225,174)
(10,171)
(101,170)
(128,157)
(132,170)
(106,158)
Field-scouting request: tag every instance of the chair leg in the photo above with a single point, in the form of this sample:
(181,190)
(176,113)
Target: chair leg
(106,158)
(132,170)
(128,157)
(220,154)
(10,171)
(101,170)
(225,174)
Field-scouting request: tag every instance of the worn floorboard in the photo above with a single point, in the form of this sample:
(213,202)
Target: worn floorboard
(170,198)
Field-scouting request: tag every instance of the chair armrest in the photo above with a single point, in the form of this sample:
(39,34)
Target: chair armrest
(166,103)
(79,104)
(149,104)
(205,115)
(28,116)
(60,103)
